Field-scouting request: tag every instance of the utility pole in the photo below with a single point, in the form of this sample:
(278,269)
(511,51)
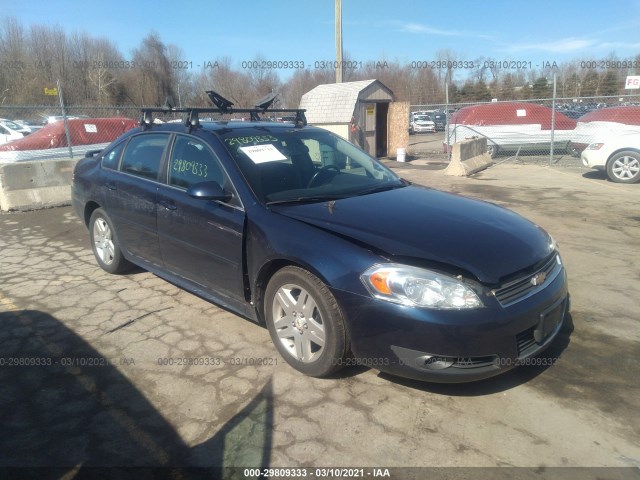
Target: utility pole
(338,64)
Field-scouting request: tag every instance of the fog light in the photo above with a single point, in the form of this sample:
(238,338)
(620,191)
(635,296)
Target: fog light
(438,363)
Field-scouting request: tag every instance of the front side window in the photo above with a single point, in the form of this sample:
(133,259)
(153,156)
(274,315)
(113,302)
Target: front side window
(143,154)
(192,162)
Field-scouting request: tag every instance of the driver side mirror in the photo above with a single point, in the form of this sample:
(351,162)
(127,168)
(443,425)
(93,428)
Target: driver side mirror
(208,191)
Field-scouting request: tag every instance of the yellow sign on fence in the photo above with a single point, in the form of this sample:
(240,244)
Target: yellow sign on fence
(51,91)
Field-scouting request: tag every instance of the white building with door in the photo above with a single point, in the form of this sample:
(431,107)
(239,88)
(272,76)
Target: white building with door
(357,111)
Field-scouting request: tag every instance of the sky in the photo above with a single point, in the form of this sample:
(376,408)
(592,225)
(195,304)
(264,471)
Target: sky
(406,31)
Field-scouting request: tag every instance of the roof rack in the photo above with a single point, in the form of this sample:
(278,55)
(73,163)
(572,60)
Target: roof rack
(223,106)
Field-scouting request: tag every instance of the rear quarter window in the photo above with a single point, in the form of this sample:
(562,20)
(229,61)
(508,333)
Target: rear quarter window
(112,157)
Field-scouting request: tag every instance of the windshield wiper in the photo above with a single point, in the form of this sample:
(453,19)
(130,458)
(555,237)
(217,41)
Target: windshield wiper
(382,188)
(312,199)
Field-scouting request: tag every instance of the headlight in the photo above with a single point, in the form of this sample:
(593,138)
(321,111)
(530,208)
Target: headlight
(418,287)
(595,146)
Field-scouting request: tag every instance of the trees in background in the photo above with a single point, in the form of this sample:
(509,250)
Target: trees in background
(94,72)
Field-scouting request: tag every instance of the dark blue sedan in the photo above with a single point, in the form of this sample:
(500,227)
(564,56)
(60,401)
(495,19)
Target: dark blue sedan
(345,262)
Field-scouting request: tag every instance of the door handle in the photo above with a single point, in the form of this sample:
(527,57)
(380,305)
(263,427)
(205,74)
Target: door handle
(110,185)
(168,204)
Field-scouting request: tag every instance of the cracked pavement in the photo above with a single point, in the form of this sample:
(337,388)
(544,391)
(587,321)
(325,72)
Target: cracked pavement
(104,370)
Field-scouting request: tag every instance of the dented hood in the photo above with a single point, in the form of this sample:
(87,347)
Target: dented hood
(486,240)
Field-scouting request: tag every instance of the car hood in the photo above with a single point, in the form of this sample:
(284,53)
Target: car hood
(431,226)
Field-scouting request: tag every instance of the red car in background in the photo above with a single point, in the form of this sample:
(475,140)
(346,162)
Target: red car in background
(51,140)
(510,126)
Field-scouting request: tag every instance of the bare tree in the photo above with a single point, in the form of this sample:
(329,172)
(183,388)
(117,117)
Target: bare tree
(13,55)
(263,80)
(152,75)
(182,75)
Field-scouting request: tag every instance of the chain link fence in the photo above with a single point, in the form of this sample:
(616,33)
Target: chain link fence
(46,132)
(554,130)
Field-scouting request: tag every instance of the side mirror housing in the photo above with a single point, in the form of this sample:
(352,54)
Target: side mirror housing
(208,191)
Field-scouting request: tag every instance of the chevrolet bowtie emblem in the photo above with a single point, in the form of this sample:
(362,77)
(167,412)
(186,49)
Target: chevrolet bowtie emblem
(538,279)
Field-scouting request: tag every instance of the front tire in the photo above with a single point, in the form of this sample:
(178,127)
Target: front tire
(305,322)
(624,167)
(105,245)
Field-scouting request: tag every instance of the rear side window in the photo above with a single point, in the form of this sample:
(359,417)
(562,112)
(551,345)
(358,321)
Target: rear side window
(143,154)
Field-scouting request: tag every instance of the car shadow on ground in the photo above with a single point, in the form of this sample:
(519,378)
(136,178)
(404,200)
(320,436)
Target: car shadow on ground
(506,381)
(595,175)
(67,411)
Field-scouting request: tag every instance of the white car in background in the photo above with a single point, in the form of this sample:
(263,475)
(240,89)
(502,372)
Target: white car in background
(603,122)
(10,131)
(421,122)
(616,154)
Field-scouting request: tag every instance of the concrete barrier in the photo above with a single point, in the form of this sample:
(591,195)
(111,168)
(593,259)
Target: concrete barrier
(468,157)
(36,184)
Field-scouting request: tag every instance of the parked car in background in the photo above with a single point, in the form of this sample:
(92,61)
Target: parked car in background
(602,123)
(16,125)
(51,140)
(421,123)
(55,118)
(10,131)
(345,263)
(31,126)
(510,126)
(440,120)
(617,154)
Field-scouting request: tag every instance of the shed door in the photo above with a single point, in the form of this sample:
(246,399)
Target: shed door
(369,110)
(382,110)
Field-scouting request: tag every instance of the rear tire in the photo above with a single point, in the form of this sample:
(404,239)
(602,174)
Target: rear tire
(305,322)
(572,150)
(104,243)
(624,167)
(492,150)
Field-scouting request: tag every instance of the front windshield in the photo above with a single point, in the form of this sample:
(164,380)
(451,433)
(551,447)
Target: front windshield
(294,165)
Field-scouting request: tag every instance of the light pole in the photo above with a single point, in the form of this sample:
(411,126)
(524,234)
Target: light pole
(338,41)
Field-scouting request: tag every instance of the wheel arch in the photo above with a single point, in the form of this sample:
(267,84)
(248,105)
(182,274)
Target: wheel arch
(89,208)
(265,274)
(620,150)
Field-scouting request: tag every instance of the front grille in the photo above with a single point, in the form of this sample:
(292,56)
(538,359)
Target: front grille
(524,287)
